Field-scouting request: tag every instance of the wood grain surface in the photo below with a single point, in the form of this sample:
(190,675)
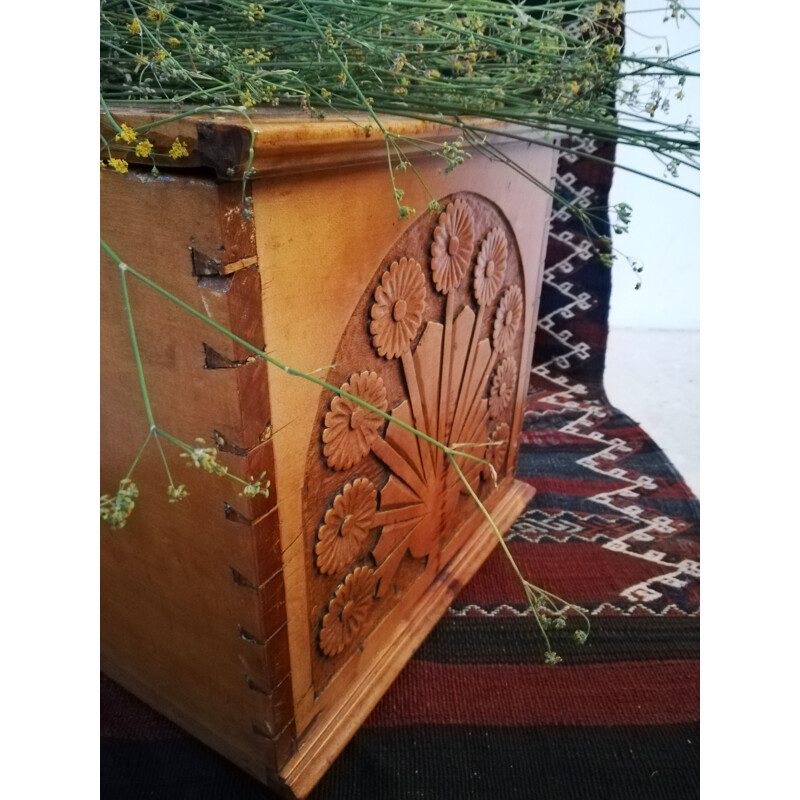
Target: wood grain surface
(269,627)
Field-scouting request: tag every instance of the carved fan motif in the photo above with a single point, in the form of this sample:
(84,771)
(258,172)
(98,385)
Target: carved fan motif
(453,393)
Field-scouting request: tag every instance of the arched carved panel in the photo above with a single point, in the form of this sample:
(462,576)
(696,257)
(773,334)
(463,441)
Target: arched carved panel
(436,342)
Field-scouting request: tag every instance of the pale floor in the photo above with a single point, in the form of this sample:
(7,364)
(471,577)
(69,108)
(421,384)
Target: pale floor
(654,377)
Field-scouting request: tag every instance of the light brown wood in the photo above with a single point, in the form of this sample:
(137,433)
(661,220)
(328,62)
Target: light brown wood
(270,627)
(229,269)
(284,143)
(422,502)
(192,595)
(402,635)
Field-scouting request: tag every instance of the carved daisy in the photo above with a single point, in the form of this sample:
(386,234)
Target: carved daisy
(508,318)
(504,385)
(398,308)
(349,428)
(496,454)
(346,526)
(491,266)
(347,611)
(451,250)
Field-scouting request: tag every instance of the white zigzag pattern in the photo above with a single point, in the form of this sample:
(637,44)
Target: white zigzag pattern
(544,525)
(652,527)
(623,611)
(678,578)
(549,537)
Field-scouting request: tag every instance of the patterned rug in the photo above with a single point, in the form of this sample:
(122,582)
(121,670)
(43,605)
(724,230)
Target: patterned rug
(475,713)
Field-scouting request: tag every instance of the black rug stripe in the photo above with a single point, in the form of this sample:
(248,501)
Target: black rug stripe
(436,763)
(472,640)
(172,769)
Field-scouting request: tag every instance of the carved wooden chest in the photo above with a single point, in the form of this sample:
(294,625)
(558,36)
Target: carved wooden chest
(270,626)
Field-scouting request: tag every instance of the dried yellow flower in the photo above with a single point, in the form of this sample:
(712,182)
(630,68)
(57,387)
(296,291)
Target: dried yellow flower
(173,42)
(119,164)
(178,149)
(134,27)
(156,15)
(143,148)
(127,134)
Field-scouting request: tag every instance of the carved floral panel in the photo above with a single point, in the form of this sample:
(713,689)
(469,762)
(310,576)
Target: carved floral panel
(436,342)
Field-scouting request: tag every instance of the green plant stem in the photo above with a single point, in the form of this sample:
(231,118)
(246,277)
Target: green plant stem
(526,584)
(567,604)
(366,104)
(124,268)
(132,330)
(524,81)
(139,454)
(187,448)
(395,193)
(450,452)
(488,516)
(164,459)
(470,128)
(111,119)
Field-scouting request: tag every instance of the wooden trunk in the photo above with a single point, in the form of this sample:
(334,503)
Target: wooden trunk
(270,627)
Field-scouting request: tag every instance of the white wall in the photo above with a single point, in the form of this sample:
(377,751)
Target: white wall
(665,227)
(653,361)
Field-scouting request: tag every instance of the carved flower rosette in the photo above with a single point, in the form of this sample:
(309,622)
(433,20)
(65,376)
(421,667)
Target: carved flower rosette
(435,344)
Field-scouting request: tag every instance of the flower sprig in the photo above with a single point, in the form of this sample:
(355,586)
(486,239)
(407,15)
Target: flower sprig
(117,509)
(550,613)
(538,599)
(545,66)
(177,493)
(142,148)
(257,486)
(204,457)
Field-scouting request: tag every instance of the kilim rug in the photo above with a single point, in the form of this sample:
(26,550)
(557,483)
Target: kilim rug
(476,714)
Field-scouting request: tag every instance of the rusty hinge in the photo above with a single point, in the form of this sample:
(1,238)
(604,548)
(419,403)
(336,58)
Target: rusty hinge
(205,266)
